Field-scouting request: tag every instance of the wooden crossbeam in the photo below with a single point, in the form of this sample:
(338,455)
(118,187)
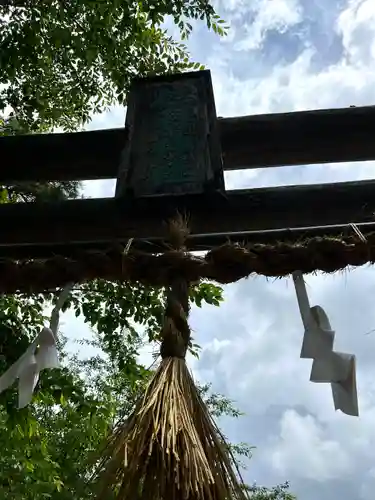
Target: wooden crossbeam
(168,159)
(40,229)
(307,137)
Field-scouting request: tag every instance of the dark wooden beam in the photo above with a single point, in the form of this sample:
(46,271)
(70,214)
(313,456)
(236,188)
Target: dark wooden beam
(70,156)
(304,137)
(299,138)
(36,230)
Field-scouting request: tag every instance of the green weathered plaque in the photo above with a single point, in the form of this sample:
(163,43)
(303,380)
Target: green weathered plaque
(173,144)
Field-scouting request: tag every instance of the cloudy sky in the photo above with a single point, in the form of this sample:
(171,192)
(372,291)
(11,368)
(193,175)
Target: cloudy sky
(286,55)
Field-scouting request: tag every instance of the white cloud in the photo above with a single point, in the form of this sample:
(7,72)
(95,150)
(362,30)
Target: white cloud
(99,189)
(268,15)
(251,352)
(294,87)
(302,449)
(356,24)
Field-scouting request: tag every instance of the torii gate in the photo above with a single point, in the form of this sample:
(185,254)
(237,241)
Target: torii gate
(172,127)
(169,159)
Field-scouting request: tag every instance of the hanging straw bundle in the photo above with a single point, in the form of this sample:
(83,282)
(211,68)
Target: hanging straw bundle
(170,448)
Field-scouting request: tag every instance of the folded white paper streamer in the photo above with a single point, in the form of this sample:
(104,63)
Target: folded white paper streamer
(328,366)
(40,354)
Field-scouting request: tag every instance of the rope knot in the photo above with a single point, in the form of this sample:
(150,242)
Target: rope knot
(175,331)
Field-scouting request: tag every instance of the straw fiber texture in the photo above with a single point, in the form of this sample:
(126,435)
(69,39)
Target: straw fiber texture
(170,448)
(224,264)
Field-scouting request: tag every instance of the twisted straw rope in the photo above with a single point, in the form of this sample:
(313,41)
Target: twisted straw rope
(224,264)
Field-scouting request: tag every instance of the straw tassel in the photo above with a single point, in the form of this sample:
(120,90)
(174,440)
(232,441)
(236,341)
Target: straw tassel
(170,448)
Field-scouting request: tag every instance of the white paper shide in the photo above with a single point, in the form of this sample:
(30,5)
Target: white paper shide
(336,368)
(41,354)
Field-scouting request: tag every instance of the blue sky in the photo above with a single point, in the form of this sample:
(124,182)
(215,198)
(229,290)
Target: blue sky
(286,55)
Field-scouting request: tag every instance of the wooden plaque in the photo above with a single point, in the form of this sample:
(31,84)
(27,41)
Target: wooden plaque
(173,146)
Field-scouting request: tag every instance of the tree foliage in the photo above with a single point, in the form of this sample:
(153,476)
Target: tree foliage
(62,61)
(47,447)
